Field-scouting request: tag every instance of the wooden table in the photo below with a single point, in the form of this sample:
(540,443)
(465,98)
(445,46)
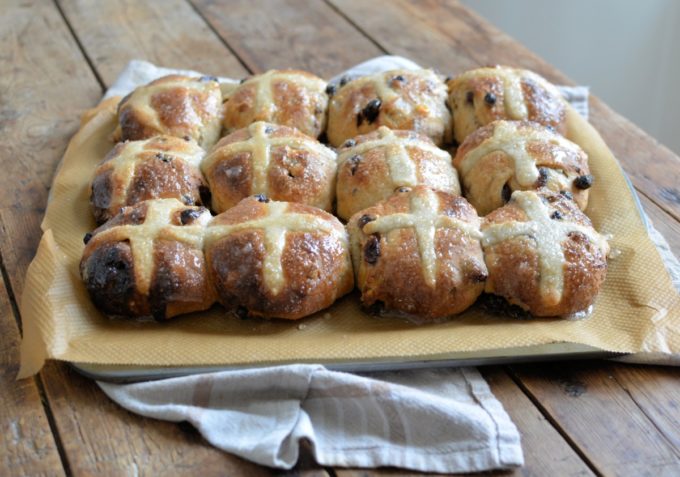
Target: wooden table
(592,417)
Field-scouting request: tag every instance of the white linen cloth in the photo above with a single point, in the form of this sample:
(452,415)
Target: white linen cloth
(439,420)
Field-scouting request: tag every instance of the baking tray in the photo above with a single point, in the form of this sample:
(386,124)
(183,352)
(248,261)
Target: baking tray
(549,352)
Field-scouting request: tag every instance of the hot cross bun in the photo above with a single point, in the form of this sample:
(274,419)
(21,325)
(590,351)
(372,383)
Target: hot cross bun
(478,97)
(148,261)
(505,156)
(160,167)
(289,97)
(278,259)
(543,254)
(174,105)
(418,253)
(399,99)
(277,161)
(374,165)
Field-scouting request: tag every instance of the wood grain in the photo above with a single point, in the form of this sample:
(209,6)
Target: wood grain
(27,446)
(268,34)
(539,437)
(168,33)
(590,407)
(100,438)
(46,85)
(445,34)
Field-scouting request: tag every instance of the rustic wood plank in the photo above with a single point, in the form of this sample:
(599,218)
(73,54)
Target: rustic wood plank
(268,34)
(45,87)
(168,33)
(446,34)
(539,437)
(27,446)
(601,418)
(100,438)
(655,391)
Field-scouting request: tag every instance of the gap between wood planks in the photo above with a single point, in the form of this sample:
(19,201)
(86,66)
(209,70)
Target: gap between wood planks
(553,422)
(229,47)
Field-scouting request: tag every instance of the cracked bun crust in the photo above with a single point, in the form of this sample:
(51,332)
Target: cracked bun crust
(173,105)
(278,259)
(412,100)
(162,167)
(505,156)
(373,166)
(478,97)
(148,261)
(277,161)
(288,97)
(543,254)
(418,254)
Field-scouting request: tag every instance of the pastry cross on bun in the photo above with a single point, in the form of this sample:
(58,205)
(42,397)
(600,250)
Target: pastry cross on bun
(505,156)
(278,259)
(175,105)
(374,165)
(482,95)
(399,99)
(277,161)
(288,97)
(418,253)
(148,261)
(543,254)
(160,167)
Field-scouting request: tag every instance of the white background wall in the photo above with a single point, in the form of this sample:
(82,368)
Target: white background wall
(627,51)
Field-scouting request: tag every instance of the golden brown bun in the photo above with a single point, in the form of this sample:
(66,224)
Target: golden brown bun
(148,261)
(278,259)
(478,97)
(399,99)
(401,264)
(543,254)
(288,97)
(277,161)
(372,166)
(505,156)
(162,167)
(174,105)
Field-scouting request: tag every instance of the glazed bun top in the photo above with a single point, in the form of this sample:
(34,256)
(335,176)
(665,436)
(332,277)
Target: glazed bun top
(159,167)
(174,105)
(505,156)
(399,99)
(288,97)
(478,97)
(278,161)
(372,166)
(543,253)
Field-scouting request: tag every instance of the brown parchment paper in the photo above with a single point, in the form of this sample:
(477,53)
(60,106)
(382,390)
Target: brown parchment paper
(637,310)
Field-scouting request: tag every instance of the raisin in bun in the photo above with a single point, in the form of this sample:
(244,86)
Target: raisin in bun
(374,165)
(174,105)
(277,259)
(277,161)
(478,97)
(134,171)
(543,254)
(399,99)
(418,254)
(506,156)
(148,261)
(289,97)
